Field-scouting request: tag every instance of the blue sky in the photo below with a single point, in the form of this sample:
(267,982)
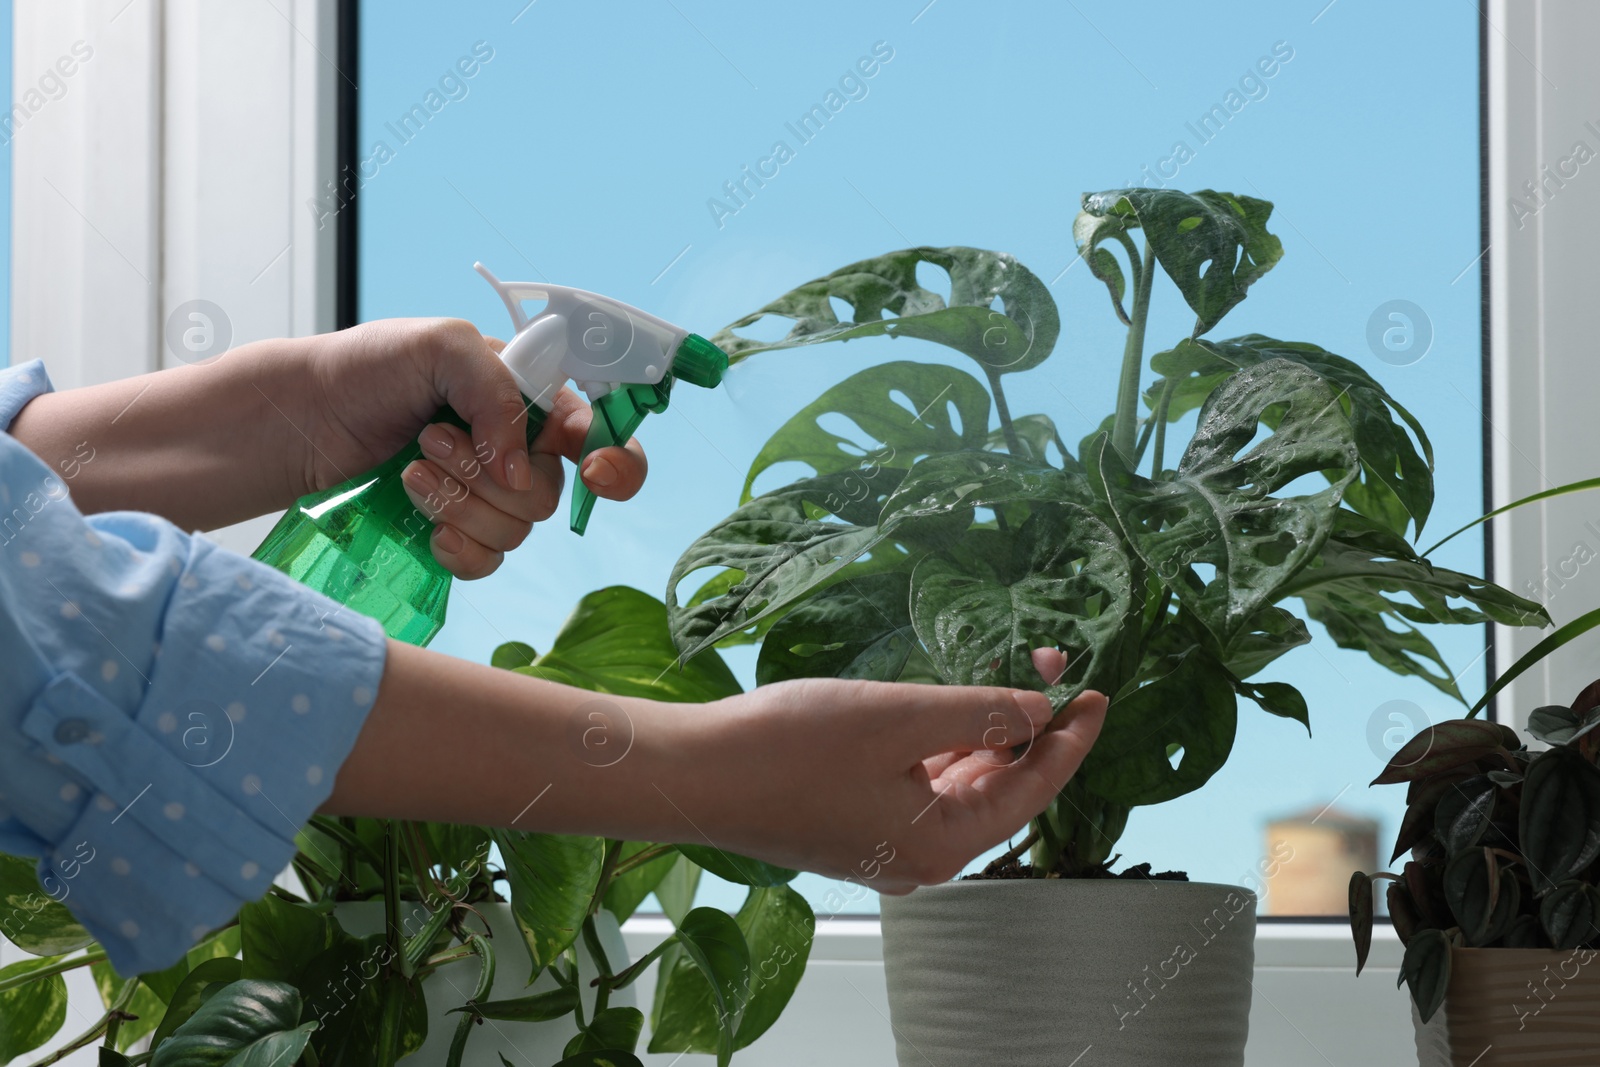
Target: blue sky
(587,151)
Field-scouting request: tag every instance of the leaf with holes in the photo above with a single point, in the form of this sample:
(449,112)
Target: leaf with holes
(1067,581)
(1089,232)
(1559,824)
(783,551)
(904,432)
(1278,698)
(1035,434)
(1166,738)
(1017,338)
(857,629)
(1219,507)
(1393,469)
(1213,245)
(1371,591)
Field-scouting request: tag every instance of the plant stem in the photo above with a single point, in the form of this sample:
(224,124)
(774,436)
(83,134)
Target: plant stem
(1003,410)
(1125,428)
(58,967)
(1027,842)
(591,940)
(1160,419)
(608,870)
(638,967)
(639,859)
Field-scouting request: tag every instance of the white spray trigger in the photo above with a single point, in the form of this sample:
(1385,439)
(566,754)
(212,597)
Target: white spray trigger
(583,337)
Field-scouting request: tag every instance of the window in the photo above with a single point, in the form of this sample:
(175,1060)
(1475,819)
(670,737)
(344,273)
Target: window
(627,168)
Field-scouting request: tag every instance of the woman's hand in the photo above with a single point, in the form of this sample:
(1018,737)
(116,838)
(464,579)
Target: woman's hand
(890,785)
(371,388)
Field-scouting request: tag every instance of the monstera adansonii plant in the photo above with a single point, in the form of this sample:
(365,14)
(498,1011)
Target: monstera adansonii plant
(943,537)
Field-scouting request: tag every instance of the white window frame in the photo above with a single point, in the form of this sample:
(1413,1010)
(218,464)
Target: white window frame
(200,130)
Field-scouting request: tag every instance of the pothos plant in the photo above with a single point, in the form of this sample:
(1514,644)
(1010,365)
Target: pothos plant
(945,537)
(1504,844)
(287,983)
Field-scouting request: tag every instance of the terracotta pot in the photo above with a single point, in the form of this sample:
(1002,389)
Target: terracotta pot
(450,986)
(1524,1006)
(1038,971)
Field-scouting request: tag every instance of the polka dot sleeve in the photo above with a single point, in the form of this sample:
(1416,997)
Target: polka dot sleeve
(170,713)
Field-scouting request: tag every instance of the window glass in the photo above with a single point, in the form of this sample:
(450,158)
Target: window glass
(611,149)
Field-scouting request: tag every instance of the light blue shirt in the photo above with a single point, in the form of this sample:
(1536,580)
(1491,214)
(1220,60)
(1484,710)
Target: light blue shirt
(168,709)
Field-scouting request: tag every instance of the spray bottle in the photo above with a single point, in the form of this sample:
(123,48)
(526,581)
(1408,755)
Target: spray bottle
(365,545)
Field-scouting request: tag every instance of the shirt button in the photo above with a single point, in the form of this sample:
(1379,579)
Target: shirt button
(72,731)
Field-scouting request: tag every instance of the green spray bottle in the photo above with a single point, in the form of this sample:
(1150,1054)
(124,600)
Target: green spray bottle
(363,543)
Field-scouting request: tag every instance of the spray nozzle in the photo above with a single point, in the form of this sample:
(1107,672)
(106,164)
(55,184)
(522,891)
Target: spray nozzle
(622,358)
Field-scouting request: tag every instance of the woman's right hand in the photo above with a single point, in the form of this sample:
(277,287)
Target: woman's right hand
(892,785)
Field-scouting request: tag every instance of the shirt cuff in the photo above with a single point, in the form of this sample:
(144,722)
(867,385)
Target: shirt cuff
(254,700)
(18,385)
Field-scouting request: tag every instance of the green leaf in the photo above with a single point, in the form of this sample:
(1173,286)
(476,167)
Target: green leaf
(31,920)
(1361,908)
(606,1058)
(145,1003)
(1212,245)
(1370,591)
(1270,633)
(676,891)
(1568,914)
(362,1002)
(1066,580)
(614,1028)
(513,654)
(734,868)
(1426,969)
(1278,698)
(245,1024)
(1089,231)
(779,928)
(187,996)
(783,553)
(628,890)
(1560,490)
(616,642)
(537,1008)
(905,429)
(1556,725)
(1017,339)
(1218,508)
(30,1014)
(1463,812)
(553,879)
(163,984)
(1482,897)
(1566,632)
(1166,738)
(1559,824)
(279,938)
(1444,746)
(859,628)
(713,944)
(1393,470)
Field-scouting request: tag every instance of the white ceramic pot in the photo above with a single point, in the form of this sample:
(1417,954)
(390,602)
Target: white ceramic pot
(1036,972)
(452,985)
